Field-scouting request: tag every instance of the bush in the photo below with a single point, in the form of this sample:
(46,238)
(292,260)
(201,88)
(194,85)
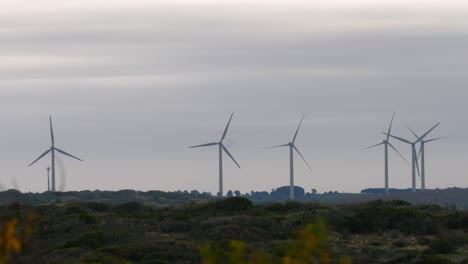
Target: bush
(400,203)
(245,228)
(429,259)
(400,243)
(97,207)
(132,207)
(175,252)
(442,244)
(89,239)
(155,258)
(233,204)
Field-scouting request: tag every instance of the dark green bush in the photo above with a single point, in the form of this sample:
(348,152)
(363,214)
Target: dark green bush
(155,258)
(97,207)
(245,228)
(430,259)
(132,207)
(399,243)
(379,216)
(442,244)
(233,204)
(399,203)
(173,250)
(89,239)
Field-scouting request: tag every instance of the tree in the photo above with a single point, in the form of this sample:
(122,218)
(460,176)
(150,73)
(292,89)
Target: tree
(237,193)
(229,194)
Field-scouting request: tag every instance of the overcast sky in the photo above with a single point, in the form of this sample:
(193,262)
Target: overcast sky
(132,84)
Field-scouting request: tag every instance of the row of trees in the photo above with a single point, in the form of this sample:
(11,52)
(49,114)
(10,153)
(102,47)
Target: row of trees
(281,193)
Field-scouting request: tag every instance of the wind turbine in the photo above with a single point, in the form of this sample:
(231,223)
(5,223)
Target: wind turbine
(52,151)
(293,147)
(422,154)
(386,143)
(414,161)
(221,149)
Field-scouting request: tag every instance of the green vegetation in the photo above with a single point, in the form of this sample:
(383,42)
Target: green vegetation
(235,230)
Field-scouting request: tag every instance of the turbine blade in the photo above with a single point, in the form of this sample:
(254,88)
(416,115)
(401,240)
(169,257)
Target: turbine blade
(434,139)
(427,133)
(204,145)
(399,138)
(420,150)
(390,127)
(298,152)
(40,157)
(284,145)
(417,165)
(229,154)
(51,131)
(70,155)
(295,135)
(398,153)
(414,133)
(376,145)
(227,127)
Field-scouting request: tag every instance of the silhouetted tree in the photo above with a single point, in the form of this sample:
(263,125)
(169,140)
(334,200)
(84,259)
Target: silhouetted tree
(229,194)
(237,193)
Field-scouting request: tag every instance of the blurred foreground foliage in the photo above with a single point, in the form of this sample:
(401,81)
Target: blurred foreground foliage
(310,247)
(15,229)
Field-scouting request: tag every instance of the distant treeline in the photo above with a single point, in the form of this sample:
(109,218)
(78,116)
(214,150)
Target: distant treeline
(452,197)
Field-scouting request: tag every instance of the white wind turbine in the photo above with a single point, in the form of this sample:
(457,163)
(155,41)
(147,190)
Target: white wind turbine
(422,155)
(413,154)
(293,147)
(52,151)
(387,143)
(221,149)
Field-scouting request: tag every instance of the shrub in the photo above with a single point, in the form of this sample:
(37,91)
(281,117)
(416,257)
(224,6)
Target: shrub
(236,228)
(155,258)
(429,259)
(400,243)
(233,204)
(175,252)
(132,207)
(89,239)
(442,244)
(400,203)
(97,207)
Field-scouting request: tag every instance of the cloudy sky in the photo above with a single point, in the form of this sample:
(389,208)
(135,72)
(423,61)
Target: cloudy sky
(132,84)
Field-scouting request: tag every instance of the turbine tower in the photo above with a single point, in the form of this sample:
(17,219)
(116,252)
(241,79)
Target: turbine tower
(414,158)
(422,155)
(48,179)
(386,143)
(52,151)
(293,147)
(221,149)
